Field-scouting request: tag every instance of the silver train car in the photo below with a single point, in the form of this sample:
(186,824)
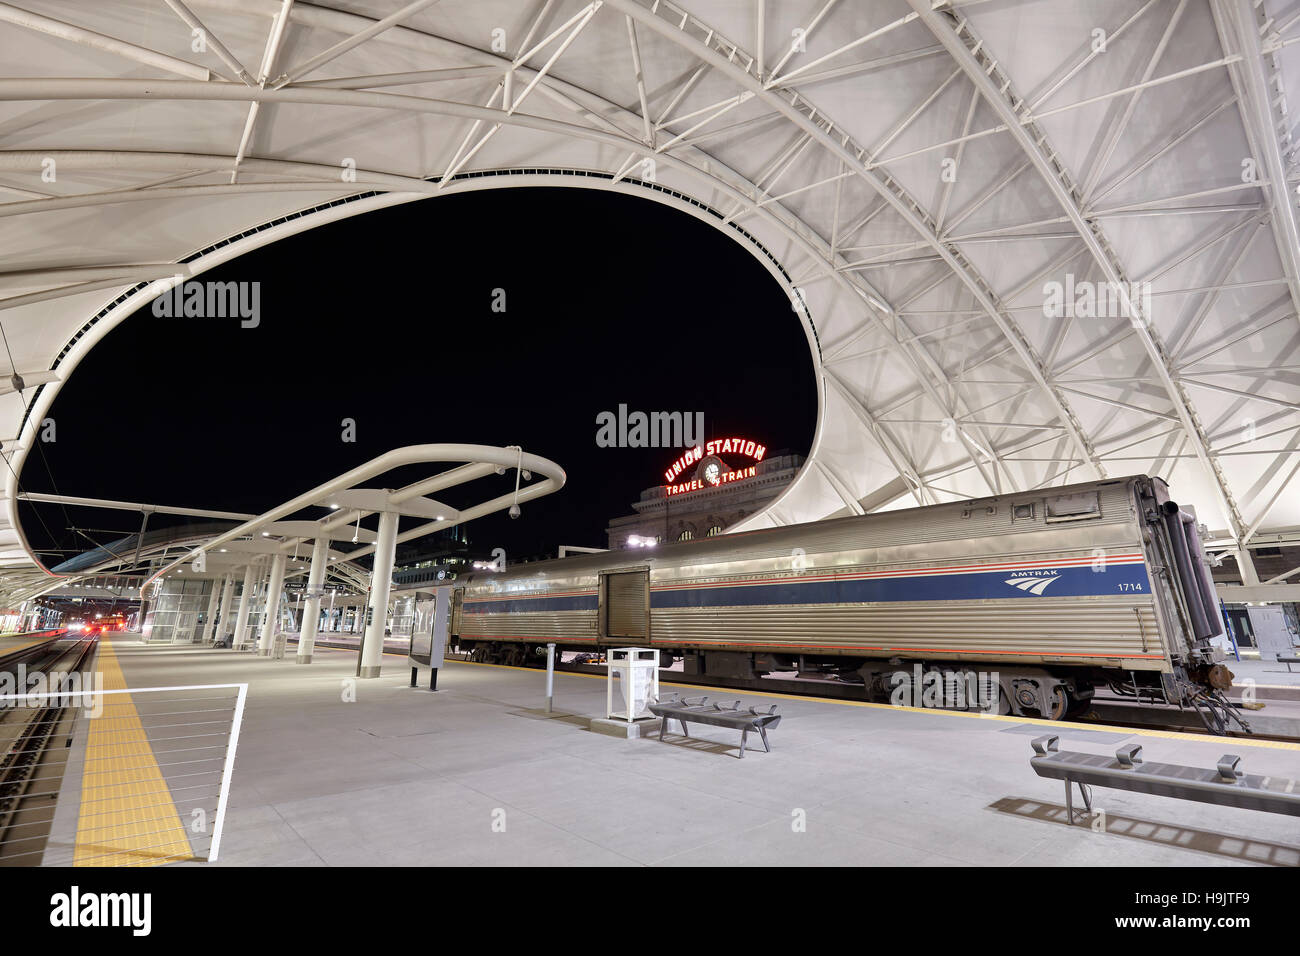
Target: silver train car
(1049,594)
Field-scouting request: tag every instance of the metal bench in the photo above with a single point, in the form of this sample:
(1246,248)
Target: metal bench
(1226,785)
(700,711)
(1288,661)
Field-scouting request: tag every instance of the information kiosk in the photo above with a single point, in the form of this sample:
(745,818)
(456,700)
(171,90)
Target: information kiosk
(429,633)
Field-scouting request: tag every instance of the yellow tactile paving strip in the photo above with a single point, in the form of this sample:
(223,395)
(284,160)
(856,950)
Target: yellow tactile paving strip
(128,816)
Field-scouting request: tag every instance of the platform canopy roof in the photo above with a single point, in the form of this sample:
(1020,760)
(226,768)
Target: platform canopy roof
(927,182)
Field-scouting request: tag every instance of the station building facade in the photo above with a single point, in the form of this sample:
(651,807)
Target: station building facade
(704,491)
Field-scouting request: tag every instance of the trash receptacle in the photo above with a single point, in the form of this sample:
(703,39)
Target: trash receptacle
(636,669)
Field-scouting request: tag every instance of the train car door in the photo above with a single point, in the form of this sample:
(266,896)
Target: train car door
(625,606)
(457,596)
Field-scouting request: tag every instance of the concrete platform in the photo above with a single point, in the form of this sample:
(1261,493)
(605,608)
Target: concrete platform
(1271,679)
(477,773)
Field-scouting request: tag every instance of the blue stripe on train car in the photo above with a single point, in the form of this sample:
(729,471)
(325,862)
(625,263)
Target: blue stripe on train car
(572,602)
(968,586)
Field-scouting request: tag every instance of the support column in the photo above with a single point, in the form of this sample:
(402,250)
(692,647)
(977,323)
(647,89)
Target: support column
(381,580)
(273,590)
(311,606)
(259,594)
(223,609)
(210,618)
(1246,565)
(245,601)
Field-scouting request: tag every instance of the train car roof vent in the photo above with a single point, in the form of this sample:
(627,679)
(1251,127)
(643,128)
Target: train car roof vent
(1076,507)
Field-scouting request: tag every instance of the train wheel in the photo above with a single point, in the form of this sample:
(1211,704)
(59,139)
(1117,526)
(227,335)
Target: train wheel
(1078,708)
(1058,704)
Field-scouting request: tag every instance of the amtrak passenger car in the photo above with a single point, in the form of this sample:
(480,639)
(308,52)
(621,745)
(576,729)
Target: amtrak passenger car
(1047,594)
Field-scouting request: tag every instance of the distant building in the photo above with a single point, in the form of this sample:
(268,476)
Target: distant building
(705,491)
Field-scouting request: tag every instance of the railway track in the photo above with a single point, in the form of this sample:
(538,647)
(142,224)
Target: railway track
(34,743)
(1105,711)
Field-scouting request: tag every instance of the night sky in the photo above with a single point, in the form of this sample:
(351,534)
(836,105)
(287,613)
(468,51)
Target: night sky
(386,318)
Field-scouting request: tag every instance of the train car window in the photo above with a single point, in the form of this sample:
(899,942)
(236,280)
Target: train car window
(1022,511)
(1077,507)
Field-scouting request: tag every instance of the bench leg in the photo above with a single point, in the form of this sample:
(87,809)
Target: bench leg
(685,732)
(763,732)
(1069,802)
(744,735)
(662,727)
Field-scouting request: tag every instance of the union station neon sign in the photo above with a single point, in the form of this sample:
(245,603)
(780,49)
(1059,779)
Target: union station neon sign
(712,481)
(713,472)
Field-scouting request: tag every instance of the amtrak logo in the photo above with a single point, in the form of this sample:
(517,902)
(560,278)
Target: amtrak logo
(1034,582)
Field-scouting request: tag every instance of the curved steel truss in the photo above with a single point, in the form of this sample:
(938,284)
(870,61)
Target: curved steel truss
(1030,242)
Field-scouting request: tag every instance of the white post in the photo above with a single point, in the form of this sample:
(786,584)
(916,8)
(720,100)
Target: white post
(1246,565)
(272,617)
(245,600)
(380,583)
(550,676)
(311,606)
(223,609)
(210,618)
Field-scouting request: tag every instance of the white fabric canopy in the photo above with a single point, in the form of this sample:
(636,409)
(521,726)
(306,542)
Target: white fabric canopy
(915,178)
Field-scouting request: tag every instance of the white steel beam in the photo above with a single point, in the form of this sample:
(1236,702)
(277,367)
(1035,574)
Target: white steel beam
(210,39)
(903,204)
(957,37)
(1238,27)
(300,70)
(67,31)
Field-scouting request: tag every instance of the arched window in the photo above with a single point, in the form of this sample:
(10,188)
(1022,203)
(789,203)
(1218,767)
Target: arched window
(715,530)
(686,535)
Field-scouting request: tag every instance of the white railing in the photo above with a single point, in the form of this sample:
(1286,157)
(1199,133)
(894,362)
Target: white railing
(139,776)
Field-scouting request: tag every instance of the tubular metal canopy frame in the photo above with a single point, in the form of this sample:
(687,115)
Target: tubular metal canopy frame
(480,461)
